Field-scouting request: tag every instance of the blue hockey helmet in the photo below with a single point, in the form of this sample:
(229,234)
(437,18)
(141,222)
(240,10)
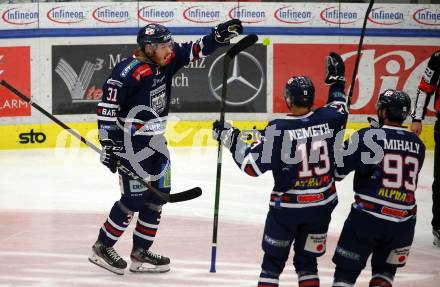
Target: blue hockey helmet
(397,104)
(300,91)
(153,34)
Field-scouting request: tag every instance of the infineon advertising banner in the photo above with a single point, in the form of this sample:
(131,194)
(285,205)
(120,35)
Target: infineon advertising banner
(15,68)
(381,67)
(207,14)
(79,71)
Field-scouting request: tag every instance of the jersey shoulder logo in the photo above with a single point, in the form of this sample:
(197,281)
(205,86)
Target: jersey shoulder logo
(129,67)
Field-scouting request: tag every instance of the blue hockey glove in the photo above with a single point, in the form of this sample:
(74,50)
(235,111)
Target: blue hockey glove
(108,156)
(225,133)
(335,69)
(224,32)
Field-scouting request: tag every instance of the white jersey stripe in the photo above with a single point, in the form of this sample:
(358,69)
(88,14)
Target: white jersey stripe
(106,119)
(385,203)
(106,105)
(386,217)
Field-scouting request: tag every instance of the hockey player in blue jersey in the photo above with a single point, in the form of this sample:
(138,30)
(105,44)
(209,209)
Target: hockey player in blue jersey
(132,117)
(298,149)
(383,216)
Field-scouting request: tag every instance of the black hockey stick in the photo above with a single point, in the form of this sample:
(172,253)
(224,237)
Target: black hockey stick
(241,45)
(358,55)
(176,197)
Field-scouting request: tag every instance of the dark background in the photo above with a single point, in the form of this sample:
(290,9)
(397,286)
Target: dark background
(196,97)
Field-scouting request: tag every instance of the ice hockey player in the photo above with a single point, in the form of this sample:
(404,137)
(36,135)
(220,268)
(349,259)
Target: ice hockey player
(298,149)
(386,162)
(429,85)
(132,116)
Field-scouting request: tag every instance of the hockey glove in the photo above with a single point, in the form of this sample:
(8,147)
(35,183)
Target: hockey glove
(224,133)
(335,69)
(108,156)
(224,32)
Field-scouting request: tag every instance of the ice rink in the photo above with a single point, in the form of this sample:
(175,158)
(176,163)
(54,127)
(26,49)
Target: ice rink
(53,202)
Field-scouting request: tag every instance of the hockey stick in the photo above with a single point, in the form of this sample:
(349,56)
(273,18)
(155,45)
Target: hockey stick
(358,55)
(176,197)
(241,45)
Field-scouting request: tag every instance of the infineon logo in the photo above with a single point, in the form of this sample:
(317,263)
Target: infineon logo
(288,14)
(110,15)
(200,14)
(151,14)
(381,16)
(16,16)
(425,16)
(62,15)
(335,16)
(247,15)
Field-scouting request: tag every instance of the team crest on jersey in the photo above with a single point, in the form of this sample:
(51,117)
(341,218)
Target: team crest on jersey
(158,99)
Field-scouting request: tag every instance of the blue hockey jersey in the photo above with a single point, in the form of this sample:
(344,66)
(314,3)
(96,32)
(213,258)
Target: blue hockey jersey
(299,152)
(136,96)
(385,187)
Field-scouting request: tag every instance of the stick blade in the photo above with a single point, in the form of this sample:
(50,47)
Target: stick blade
(241,45)
(186,195)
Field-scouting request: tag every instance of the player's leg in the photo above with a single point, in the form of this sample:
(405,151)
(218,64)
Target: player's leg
(133,198)
(436,186)
(310,243)
(353,248)
(276,243)
(382,273)
(142,259)
(104,255)
(382,277)
(391,254)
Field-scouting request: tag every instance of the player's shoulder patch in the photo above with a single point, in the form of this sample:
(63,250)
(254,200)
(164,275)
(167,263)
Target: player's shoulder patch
(143,70)
(129,67)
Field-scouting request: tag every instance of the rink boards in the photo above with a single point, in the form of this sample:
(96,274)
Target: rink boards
(181,133)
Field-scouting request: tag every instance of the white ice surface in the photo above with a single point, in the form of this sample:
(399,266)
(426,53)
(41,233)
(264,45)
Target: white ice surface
(74,180)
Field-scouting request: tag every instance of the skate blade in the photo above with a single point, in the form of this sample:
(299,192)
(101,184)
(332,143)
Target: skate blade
(101,263)
(148,268)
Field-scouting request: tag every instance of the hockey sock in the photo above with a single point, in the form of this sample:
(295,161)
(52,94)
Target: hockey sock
(268,279)
(344,277)
(382,280)
(308,279)
(116,223)
(147,225)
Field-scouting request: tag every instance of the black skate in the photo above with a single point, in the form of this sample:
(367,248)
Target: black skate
(107,258)
(143,260)
(436,233)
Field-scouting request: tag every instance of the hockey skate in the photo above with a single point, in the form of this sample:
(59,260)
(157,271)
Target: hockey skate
(436,233)
(107,258)
(143,260)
